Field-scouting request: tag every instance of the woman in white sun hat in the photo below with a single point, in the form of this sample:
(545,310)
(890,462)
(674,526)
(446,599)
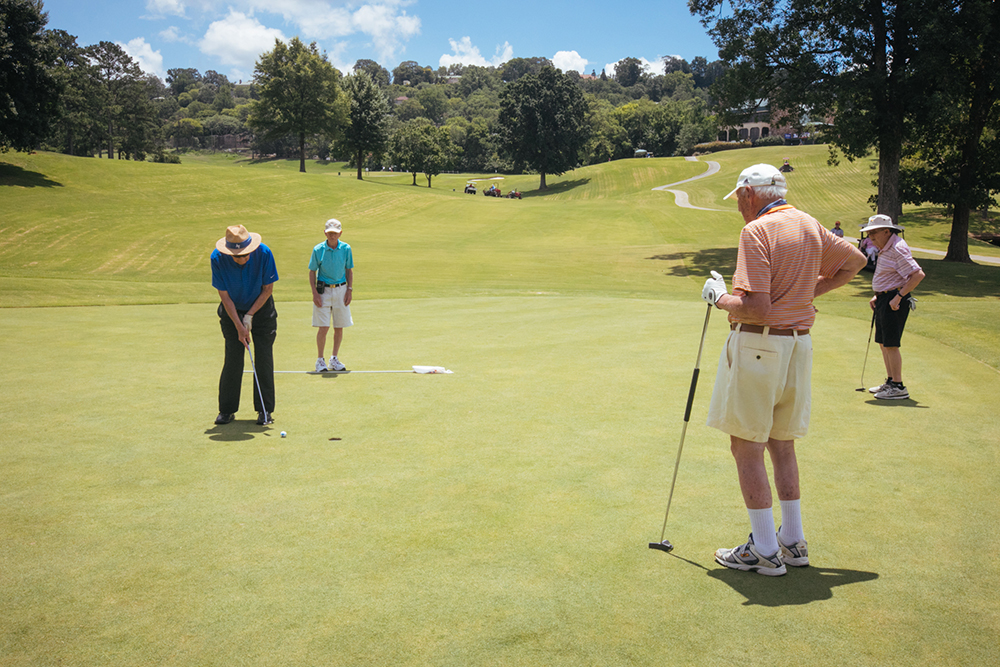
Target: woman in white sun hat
(897,274)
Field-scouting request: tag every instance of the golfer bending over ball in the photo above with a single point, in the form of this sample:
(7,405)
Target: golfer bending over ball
(244,272)
(897,274)
(331,275)
(762,390)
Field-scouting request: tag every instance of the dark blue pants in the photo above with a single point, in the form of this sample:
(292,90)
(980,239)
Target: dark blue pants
(263,331)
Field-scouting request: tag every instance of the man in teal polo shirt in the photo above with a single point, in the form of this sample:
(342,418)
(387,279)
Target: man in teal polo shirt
(331,275)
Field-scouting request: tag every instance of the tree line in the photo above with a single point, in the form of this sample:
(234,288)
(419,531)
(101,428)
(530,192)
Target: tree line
(94,100)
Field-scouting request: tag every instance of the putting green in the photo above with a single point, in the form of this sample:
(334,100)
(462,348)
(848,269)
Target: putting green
(499,515)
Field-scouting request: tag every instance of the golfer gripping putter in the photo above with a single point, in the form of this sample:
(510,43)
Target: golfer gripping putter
(664,545)
(263,408)
(862,387)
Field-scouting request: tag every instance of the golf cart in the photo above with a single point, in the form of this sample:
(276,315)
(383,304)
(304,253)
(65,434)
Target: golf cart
(493,191)
(470,188)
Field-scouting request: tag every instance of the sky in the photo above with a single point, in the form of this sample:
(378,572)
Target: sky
(229,35)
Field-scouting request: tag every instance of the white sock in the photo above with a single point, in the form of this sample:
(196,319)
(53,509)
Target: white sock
(791,522)
(762,525)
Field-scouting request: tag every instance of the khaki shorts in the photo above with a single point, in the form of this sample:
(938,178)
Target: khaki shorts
(762,389)
(333,310)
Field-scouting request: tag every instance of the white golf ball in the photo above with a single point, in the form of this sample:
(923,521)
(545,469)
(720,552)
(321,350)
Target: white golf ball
(283,434)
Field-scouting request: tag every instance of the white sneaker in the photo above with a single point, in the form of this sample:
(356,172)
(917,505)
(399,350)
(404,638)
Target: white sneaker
(881,387)
(796,555)
(893,392)
(746,557)
(335,365)
(321,365)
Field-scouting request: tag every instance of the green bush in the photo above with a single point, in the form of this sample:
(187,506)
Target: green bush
(716,146)
(773,140)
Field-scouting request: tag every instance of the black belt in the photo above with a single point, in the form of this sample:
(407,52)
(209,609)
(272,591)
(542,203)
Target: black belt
(339,284)
(753,328)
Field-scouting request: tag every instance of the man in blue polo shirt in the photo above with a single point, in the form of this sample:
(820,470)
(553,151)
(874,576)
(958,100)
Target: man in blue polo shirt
(331,275)
(244,272)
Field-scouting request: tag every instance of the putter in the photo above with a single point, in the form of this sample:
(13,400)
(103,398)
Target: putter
(664,545)
(267,417)
(862,387)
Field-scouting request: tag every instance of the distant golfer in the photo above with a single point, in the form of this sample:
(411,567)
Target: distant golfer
(244,272)
(897,274)
(836,230)
(762,390)
(331,275)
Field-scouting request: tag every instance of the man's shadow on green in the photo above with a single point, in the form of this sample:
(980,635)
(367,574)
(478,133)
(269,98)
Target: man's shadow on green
(801,585)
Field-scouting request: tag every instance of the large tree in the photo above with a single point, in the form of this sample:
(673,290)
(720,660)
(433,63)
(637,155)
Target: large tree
(419,146)
(78,128)
(367,130)
(628,71)
(860,62)
(28,92)
(298,89)
(542,122)
(958,164)
(379,74)
(122,88)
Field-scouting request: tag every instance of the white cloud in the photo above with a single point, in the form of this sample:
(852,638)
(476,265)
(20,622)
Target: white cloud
(387,25)
(149,61)
(165,7)
(238,40)
(465,53)
(171,35)
(570,60)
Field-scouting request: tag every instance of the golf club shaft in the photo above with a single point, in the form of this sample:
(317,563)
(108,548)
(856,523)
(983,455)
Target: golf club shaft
(687,417)
(256,381)
(865,365)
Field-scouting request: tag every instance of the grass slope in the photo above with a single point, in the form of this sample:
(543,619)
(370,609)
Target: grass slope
(499,515)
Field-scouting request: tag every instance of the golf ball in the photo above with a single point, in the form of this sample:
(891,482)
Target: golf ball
(283,434)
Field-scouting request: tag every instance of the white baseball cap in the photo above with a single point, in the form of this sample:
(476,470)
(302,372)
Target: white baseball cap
(758,174)
(333,225)
(880,221)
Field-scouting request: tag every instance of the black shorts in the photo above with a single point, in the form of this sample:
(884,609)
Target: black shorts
(889,323)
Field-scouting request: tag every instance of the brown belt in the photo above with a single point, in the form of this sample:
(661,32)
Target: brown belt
(753,328)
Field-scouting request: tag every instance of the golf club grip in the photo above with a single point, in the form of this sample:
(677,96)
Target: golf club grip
(694,383)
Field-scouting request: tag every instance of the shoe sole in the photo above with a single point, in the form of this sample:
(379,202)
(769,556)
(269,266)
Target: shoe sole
(797,562)
(892,398)
(766,571)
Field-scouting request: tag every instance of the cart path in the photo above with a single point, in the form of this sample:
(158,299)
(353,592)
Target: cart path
(681,199)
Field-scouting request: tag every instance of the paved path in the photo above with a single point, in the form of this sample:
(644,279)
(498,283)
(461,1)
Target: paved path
(681,199)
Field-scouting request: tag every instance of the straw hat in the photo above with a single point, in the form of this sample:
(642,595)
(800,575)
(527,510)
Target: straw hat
(237,241)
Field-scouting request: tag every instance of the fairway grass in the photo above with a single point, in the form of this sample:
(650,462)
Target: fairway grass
(498,515)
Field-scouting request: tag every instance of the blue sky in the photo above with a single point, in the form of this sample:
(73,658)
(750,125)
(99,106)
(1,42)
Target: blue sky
(229,35)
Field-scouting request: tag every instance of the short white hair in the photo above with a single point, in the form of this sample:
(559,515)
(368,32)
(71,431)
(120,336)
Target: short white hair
(770,193)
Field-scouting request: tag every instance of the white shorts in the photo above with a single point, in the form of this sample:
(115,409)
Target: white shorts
(763,387)
(333,310)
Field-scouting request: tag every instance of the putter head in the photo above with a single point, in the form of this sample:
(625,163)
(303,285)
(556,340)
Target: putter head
(665,545)
(860,389)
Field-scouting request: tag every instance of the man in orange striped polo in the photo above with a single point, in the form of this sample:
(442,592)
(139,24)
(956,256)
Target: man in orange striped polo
(762,390)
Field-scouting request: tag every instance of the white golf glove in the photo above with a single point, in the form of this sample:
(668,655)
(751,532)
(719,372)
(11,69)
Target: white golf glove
(714,288)
(248,319)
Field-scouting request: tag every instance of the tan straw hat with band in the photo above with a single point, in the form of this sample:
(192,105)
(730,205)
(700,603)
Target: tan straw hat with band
(238,241)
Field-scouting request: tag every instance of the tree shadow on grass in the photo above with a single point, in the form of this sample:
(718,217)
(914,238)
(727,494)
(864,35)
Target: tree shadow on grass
(800,586)
(558,188)
(238,430)
(17,176)
(700,262)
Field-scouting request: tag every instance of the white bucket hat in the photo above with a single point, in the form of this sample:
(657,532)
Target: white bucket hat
(880,221)
(758,174)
